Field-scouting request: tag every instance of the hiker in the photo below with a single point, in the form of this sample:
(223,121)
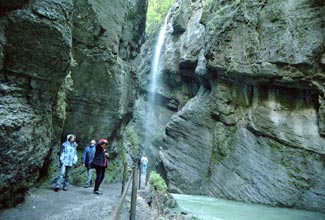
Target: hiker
(68,157)
(87,158)
(144,163)
(100,163)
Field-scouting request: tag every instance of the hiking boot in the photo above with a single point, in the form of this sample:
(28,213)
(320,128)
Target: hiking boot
(56,189)
(98,192)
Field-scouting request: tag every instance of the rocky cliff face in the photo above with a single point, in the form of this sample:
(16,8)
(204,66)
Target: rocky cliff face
(254,130)
(40,43)
(106,37)
(35,51)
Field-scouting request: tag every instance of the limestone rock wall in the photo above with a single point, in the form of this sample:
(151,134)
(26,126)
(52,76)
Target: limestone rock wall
(41,42)
(254,131)
(106,36)
(35,49)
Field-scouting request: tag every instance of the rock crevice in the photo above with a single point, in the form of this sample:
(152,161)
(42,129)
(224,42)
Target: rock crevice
(65,67)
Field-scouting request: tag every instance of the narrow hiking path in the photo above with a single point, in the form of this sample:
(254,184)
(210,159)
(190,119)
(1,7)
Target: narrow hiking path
(77,203)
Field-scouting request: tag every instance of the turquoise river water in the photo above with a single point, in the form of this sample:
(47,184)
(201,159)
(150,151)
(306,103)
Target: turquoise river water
(209,208)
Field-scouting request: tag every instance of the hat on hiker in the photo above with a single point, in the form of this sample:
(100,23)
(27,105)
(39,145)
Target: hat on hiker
(69,136)
(103,140)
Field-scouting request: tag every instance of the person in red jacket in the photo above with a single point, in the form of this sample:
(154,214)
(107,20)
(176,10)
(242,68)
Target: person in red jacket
(100,163)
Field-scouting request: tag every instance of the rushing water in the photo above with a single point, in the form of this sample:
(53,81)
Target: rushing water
(154,76)
(209,208)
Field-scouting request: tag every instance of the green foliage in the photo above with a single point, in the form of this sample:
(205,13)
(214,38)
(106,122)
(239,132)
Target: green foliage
(133,140)
(79,176)
(114,171)
(61,104)
(79,172)
(73,62)
(159,195)
(123,152)
(157,182)
(275,144)
(157,9)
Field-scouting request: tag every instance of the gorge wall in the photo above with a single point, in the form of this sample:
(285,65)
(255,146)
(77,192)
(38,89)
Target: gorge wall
(241,111)
(242,101)
(36,44)
(64,68)
(107,36)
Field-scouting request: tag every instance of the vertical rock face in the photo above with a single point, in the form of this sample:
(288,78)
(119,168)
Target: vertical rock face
(254,131)
(35,48)
(107,36)
(41,41)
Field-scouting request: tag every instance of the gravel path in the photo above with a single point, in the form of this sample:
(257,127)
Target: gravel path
(79,203)
(76,204)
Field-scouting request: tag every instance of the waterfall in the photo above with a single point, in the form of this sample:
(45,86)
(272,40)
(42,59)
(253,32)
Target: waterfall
(154,77)
(155,66)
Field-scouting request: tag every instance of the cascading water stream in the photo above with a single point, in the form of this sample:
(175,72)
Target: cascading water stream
(154,78)
(155,67)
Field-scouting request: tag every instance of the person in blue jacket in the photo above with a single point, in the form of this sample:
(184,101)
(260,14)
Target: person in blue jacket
(100,163)
(87,158)
(68,157)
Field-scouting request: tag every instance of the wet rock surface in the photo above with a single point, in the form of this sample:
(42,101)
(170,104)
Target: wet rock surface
(253,132)
(65,67)
(240,107)
(107,36)
(31,75)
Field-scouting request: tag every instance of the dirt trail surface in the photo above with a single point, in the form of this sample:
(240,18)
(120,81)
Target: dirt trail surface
(77,203)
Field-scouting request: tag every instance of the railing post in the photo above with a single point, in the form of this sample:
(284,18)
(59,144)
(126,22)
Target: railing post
(134,192)
(139,170)
(147,177)
(125,170)
(116,213)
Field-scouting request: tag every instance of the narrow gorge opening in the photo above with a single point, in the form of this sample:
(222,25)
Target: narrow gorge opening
(226,99)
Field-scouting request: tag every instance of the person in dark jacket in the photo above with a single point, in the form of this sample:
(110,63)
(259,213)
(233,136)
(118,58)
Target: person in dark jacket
(100,163)
(87,158)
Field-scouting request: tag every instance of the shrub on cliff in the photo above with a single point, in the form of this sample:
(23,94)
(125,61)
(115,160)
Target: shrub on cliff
(157,182)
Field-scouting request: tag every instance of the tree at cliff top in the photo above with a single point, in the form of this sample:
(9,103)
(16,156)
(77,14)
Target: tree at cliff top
(157,9)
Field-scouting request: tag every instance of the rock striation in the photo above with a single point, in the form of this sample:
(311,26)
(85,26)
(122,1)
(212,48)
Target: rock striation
(35,55)
(65,67)
(250,124)
(107,36)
